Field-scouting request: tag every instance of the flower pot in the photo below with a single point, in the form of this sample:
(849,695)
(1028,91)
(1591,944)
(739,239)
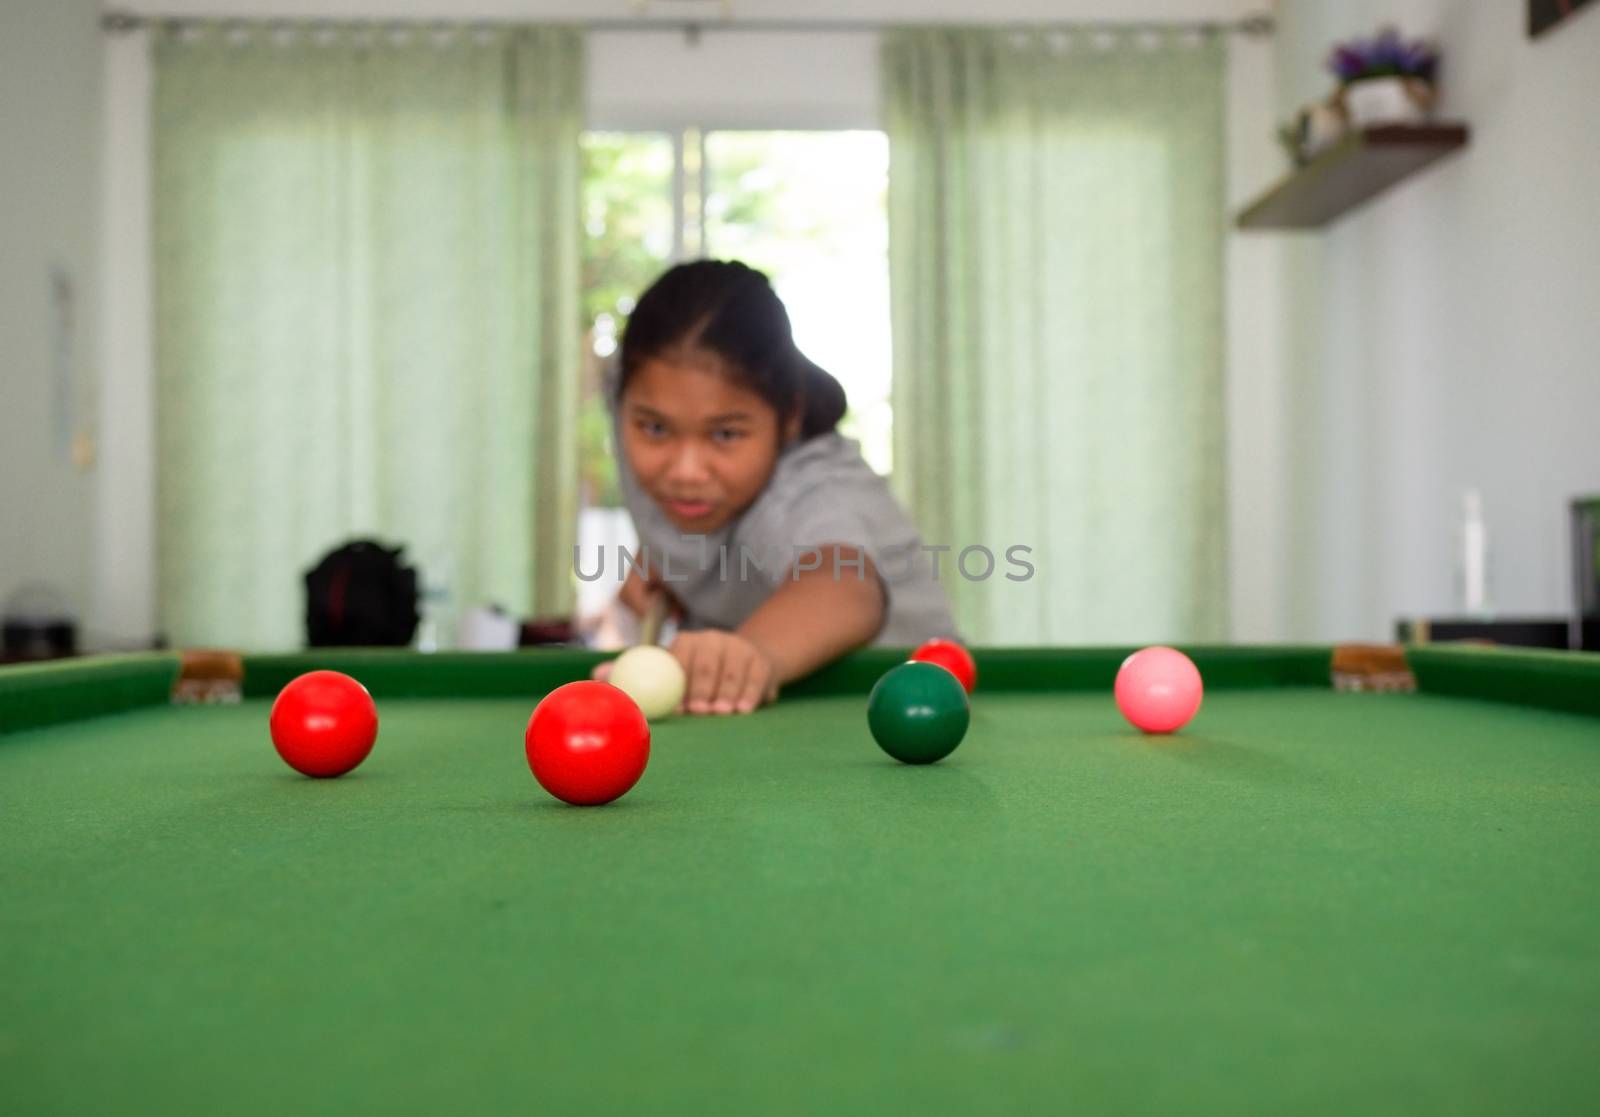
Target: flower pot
(1387,100)
(1324,125)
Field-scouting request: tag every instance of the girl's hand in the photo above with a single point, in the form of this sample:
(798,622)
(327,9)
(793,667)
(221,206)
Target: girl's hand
(726,673)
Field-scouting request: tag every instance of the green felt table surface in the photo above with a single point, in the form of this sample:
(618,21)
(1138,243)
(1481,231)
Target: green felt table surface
(1309,902)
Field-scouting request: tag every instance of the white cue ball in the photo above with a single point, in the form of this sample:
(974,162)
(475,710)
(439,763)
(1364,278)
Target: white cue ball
(652,677)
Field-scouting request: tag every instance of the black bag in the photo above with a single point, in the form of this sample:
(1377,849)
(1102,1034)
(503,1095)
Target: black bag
(361,595)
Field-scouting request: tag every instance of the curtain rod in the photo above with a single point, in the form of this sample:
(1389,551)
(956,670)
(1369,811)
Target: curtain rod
(120,22)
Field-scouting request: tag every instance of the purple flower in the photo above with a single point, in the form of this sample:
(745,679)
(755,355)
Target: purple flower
(1346,62)
(1386,53)
(1387,50)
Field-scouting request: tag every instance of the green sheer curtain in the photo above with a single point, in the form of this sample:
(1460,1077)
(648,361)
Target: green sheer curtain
(1056,225)
(366,308)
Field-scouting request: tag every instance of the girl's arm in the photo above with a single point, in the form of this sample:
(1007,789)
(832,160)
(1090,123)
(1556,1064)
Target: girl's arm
(811,619)
(816,616)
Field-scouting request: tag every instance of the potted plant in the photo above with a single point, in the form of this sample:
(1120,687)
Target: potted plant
(1314,129)
(1385,79)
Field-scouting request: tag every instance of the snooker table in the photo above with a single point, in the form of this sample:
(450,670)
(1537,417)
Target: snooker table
(1309,901)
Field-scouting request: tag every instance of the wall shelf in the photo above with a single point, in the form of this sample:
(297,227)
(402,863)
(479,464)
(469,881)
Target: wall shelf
(1358,167)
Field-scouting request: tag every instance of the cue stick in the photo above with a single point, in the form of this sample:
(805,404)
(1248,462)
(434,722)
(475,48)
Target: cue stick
(655,615)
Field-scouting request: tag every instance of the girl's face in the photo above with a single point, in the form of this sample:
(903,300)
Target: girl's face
(701,445)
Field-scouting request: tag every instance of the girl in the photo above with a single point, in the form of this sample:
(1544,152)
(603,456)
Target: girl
(759,524)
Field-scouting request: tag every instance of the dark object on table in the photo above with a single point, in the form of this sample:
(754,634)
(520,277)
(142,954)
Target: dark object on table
(361,595)
(547,631)
(37,625)
(1518,632)
(1545,14)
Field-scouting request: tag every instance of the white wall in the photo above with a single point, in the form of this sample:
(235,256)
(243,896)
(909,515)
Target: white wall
(1447,334)
(122,601)
(644,80)
(1257,493)
(49,160)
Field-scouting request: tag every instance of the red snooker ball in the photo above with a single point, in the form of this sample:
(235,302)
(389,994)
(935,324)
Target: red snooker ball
(323,724)
(953,658)
(587,743)
(1159,689)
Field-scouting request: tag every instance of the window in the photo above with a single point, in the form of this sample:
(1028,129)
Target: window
(810,210)
(807,208)
(628,237)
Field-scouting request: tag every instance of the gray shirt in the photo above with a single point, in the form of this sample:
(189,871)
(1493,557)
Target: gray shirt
(821,491)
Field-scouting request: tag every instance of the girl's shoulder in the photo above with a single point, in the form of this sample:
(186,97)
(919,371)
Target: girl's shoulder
(827,460)
(821,481)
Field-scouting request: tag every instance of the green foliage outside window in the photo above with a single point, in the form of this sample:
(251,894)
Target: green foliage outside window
(627,241)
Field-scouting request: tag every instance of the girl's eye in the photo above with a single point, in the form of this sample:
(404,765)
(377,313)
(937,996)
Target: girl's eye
(726,434)
(652,429)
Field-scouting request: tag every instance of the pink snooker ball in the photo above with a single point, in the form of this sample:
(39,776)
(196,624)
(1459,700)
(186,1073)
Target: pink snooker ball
(1159,689)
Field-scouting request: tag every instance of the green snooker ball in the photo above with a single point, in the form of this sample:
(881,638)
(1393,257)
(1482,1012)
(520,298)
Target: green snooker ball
(918,712)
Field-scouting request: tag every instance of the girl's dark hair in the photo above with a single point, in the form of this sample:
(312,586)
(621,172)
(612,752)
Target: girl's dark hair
(729,309)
